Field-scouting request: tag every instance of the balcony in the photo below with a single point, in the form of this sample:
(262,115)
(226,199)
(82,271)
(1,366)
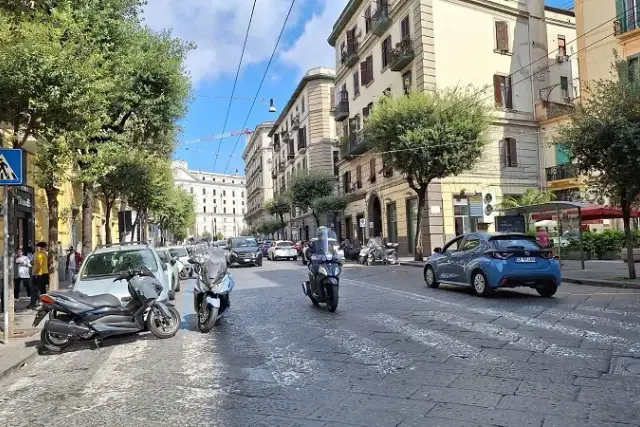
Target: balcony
(629,22)
(281,164)
(295,123)
(349,56)
(380,21)
(402,55)
(342,108)
(562,171)
(302,145)
(547,110)
(353,145)
(291,157)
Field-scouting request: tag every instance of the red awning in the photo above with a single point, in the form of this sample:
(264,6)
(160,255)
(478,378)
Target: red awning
(589,212)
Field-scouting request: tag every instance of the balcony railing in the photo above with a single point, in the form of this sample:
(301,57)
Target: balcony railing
(342,107)
(281,164)
(353,144)
(349,56)
(562,171)
(380,21)
(402,55)
(628,22)
(291,157)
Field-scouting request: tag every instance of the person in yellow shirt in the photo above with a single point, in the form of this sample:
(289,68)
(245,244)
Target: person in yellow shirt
(40,274)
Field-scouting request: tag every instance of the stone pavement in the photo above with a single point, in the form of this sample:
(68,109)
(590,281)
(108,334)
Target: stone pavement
(394,354)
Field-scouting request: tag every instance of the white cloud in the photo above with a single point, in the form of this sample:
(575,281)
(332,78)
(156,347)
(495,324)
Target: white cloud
(311,48)
(218,28)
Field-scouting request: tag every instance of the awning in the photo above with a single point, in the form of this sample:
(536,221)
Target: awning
(589,212)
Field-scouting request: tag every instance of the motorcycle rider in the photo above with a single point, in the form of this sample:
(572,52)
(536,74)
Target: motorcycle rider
(320,246)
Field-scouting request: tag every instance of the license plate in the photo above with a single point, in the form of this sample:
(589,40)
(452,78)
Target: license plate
(526,259)
(247,260)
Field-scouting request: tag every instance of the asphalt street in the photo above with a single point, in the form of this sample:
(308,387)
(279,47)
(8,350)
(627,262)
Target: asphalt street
(396,353)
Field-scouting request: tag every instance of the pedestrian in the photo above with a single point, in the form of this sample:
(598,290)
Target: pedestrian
(22,275)
(74,260)
(40,274)
(542,236)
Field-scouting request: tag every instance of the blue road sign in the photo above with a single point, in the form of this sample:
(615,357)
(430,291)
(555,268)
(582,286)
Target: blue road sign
(10,166)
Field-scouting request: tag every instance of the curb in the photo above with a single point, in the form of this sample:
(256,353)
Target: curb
(411,264)
(26,354)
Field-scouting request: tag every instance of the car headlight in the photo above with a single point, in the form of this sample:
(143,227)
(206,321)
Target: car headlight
(233,253)
(258,253)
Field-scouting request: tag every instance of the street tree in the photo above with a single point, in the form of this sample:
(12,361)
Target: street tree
(176,213)
(603,140)
(530,197)
(309,186)
(278,207)
(334,204)
(429,135)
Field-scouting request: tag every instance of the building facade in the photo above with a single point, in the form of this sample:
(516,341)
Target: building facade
(220,200)
(400,45)
(304,138)
(258,158)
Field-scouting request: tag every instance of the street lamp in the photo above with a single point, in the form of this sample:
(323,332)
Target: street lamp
(267,102)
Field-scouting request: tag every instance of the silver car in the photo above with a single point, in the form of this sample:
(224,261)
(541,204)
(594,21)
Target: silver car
(104,264)
(180,253)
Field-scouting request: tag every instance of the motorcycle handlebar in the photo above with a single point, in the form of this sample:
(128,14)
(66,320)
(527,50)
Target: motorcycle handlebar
(130,274)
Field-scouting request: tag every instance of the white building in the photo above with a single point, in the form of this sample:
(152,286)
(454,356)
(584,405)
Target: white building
(257,158)
(220,200)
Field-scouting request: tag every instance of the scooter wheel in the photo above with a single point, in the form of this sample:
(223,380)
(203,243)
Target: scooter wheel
(207,317)
(161,327)
(53,342)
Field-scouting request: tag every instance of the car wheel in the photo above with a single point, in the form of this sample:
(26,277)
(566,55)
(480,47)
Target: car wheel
(547,291)
(480,284)
(430,277)
(295,258)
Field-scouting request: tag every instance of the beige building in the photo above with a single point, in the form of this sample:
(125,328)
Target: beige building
(304,137)
(258,159)
(399,45)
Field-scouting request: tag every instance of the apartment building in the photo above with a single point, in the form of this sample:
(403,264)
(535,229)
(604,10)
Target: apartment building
(257,158)
(400,45)
(220,200)
(303,138)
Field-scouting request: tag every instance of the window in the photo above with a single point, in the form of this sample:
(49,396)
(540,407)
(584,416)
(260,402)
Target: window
(366,71)
(509,153)
(412,223)
(224,202)
(204,201)
(387,170)
(405,31)
(224,210)
(234,210)
(224,192)
(242,194)
(204,191)
(471,243)
(392,223)
(407,82)
(204,209)
(386,52)
(372,170)
(215,209)
(502,36)
(562,45)
(302,105)
(335,163)
(453,246)
(233,202)
(502,91)
(214,191)
(356,84)
(564,86)
(359,176)
(346,181)
(233,193)
(203,178)
(632,63)
(191,189)
(365,112)
(367,20)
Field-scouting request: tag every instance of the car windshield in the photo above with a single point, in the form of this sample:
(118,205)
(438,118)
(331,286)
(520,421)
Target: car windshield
(285,244)
(112,263)
(178,252)
(244,242)
(505,243)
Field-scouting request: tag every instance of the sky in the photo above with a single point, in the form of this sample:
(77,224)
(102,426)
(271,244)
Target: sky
(218,29)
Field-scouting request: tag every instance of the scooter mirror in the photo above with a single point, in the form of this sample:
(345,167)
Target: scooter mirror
(164,266)
(191,274)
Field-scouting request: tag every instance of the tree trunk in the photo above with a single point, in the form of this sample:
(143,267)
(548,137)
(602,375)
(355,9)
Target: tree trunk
(419,250)
(107,217)
(52,203)
(317,218)
(626,218)
(145,226)
(87,219)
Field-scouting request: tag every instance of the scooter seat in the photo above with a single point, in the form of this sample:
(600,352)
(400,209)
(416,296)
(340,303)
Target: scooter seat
(96,301)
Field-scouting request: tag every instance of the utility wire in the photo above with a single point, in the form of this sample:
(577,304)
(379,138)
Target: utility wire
(264,76)
(235,82)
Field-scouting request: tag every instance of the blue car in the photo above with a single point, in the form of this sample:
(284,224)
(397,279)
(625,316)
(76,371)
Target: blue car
(487,261)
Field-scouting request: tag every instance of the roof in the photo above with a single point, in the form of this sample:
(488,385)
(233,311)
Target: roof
(561,11)
(347,13)
(320,73)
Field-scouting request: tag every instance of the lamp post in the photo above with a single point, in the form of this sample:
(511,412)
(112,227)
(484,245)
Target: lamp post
(267,102)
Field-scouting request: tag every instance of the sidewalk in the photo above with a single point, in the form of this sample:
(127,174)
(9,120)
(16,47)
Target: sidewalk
(23,346)
(610,274)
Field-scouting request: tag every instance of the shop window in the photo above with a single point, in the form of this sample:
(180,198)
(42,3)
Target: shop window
(392,223)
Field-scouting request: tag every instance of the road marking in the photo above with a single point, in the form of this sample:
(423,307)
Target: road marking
(593,320)
(437,340)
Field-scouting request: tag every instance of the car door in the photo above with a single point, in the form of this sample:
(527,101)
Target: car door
(468,251)
(443,263)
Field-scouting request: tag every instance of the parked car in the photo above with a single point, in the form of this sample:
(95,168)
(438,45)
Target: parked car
(332,243)
(106,262)
(243,251)
(490,261)
(282,249)
(265,247)
(175,266)
(182,254)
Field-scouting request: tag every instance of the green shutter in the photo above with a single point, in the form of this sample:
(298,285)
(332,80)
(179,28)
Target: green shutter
(621,15)
(562,154)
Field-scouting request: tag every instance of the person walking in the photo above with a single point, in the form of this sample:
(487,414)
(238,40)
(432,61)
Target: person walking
(40,274)
(22,275)
(74,260)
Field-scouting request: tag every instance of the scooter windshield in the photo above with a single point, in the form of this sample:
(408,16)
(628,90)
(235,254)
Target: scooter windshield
(214,264)
(323,248)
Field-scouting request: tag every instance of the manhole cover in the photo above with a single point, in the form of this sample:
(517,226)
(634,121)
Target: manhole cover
(626,366)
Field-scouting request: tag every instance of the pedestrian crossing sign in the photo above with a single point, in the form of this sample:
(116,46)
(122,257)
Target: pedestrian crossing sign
(10,166)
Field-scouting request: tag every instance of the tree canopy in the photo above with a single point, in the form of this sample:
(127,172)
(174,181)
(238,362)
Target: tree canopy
(531,196)
(307,187)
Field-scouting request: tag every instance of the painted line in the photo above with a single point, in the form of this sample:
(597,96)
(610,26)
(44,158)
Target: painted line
(437,340)
(594,320)
(567,330)
(602,310)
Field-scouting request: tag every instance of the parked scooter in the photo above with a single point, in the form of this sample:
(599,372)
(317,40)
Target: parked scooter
(211,294)
(324,272)
(74,315)
(351,253)
(378,253)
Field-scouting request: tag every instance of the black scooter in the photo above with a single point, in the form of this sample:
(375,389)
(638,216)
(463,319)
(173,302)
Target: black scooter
(74,315)
(324,281)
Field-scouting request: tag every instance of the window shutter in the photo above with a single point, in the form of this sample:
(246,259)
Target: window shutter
(513,152)
(501,149)
(372,169)
(363,73)
(359,175)
(502,36)
(509,90)
(332,94)
(497,91)
(369,69)
(621,15)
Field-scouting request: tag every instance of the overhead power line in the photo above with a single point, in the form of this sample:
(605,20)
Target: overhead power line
(264,76)
(235,82)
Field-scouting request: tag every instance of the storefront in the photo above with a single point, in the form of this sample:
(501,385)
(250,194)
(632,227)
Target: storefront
(22,209)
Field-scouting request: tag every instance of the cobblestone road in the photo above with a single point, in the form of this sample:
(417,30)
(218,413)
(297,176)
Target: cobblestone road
(394,354)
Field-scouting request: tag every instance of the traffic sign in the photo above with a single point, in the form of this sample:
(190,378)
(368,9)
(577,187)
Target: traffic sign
(363,223)
(10,166)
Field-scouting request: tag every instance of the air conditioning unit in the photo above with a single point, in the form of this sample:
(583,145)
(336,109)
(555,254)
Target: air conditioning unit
(561,58)
(489,202)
